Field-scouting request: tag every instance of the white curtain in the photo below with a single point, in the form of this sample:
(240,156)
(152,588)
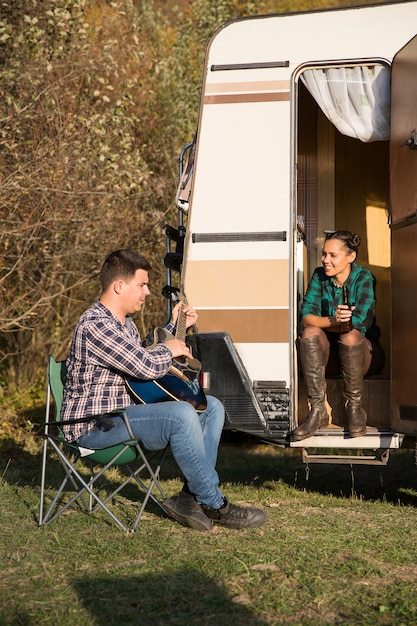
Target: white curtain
(355,99)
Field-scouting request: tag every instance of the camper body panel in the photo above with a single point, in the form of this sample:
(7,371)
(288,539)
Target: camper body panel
(235,244)
(245,263)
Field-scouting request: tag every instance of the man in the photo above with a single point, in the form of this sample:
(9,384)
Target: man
(106,348)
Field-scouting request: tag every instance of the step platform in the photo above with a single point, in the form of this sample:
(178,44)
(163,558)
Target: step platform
(370,449)
(338,437)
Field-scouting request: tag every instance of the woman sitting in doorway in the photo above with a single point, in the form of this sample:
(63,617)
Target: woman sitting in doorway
(338,337)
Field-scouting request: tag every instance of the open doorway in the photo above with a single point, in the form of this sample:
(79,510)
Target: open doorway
(343,183)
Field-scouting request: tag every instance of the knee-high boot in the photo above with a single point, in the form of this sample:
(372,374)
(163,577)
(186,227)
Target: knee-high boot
(314,376)
(352,361)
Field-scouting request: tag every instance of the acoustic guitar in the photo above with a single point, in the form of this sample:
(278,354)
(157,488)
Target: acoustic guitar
(181,382)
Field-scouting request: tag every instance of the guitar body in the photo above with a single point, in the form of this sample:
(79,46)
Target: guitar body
(168,387)
(179,383)
(159,336)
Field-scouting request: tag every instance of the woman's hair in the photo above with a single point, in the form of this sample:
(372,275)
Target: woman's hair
(350,241)
(121,264)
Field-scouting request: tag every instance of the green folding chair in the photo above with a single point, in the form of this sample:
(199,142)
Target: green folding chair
(130,454)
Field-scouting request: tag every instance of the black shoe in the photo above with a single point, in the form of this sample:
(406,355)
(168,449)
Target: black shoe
(187,511)
(233,516)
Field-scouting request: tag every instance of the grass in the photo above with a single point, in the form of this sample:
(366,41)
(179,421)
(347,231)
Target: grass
(339,547)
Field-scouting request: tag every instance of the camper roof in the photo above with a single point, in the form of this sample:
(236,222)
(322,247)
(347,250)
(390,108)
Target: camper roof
(377,31)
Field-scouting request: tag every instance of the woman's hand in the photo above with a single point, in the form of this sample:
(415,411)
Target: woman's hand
(343,313)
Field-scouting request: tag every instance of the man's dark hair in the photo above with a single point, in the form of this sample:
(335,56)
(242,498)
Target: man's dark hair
(121,264)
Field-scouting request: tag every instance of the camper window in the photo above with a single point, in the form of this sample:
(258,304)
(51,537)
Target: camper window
(355,99)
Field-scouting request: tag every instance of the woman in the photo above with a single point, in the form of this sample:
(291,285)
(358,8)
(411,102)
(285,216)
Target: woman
(322,315)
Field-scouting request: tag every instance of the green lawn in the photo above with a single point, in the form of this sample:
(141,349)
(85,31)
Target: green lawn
(339,547)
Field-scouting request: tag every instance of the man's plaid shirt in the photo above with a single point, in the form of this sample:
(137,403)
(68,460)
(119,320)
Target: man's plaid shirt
(323,296)
(103,351)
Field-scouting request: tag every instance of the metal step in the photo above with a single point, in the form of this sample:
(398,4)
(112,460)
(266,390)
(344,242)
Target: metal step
(338,437)
(380,457)
(377,440)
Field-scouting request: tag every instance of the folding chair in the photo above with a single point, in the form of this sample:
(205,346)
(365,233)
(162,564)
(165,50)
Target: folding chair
(129,454)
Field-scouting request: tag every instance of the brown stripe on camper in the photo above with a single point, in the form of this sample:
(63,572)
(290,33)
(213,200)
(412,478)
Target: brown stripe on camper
(247,326)
(262,283)
(247,97)
(255,91)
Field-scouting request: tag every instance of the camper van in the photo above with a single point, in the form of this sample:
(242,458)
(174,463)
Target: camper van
(307,124)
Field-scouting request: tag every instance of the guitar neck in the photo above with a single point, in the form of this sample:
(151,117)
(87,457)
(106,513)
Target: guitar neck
(181,327)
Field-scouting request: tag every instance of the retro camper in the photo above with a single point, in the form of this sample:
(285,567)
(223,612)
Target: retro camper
(308,123)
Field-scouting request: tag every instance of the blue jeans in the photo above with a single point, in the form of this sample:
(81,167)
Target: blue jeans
(193,438)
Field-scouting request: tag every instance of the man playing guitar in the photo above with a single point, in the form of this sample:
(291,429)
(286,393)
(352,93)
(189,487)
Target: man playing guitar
(106,351)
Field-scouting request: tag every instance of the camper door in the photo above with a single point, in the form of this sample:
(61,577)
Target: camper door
(403,159)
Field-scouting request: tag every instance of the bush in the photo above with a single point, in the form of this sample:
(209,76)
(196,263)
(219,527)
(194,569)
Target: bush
(84,170)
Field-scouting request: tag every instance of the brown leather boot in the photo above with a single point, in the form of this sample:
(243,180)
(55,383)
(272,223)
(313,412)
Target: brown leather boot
(314,376)
(351,360)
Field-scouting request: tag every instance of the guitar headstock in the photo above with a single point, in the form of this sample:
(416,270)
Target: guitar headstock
(173,293)
(177,295)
